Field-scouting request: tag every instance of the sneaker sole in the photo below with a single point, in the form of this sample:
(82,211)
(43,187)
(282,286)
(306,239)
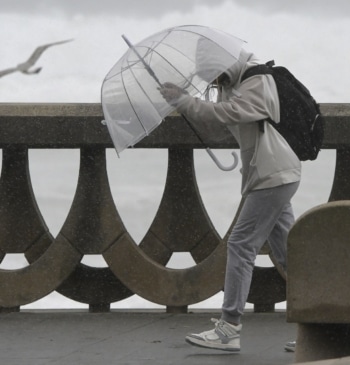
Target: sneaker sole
(208,345)
(289,349)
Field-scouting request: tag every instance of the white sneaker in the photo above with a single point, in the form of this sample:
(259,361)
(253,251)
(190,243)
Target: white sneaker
(224,336)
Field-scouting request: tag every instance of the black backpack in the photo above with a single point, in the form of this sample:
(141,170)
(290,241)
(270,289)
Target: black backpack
(301,122)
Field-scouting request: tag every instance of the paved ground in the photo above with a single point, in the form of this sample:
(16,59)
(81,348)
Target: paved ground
(135,338)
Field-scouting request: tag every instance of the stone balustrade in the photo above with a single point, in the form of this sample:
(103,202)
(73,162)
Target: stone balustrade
(93,224)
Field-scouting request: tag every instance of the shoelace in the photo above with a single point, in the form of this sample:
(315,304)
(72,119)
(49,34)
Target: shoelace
(224,329)
(219,325)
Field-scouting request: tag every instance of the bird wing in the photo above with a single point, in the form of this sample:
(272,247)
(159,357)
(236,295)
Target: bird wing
(8,71)
(38,52)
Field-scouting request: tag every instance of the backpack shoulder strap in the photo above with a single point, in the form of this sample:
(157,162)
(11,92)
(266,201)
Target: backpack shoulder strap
(264,69)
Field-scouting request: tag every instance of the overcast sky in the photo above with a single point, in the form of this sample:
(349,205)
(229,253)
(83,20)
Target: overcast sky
(155,8)
(310,37)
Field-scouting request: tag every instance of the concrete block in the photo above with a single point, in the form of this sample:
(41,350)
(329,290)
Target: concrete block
(319,266)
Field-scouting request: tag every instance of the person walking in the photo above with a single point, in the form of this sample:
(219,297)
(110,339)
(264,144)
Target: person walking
(270,171)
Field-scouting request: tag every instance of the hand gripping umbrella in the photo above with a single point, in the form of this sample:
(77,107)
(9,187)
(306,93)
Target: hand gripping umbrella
(131,102)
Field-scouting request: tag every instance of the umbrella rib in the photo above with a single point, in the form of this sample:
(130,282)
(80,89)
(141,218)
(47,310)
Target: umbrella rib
(152,49)
(162,41)
(189,82)
(144,92)
(132,106)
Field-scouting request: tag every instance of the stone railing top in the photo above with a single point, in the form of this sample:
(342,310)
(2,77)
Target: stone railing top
(55,125)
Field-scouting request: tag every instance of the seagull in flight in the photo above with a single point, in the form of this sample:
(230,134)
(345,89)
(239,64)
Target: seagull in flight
(25,66)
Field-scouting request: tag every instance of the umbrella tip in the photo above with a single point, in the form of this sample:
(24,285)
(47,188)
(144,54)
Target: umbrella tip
(127,40)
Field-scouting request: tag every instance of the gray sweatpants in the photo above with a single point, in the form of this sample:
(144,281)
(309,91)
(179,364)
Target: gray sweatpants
(266,215)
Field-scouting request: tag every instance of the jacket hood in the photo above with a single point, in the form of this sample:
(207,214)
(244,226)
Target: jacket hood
(245,61)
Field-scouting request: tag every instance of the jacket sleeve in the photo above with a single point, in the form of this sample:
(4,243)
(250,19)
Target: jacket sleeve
(259,100)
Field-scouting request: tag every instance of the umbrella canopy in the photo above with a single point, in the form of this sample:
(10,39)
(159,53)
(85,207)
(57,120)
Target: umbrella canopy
(131,102)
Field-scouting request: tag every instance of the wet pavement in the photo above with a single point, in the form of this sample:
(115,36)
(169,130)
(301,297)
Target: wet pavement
(135,338)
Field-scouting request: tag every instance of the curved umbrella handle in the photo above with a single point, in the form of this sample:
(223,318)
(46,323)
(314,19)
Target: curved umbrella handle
(219,164)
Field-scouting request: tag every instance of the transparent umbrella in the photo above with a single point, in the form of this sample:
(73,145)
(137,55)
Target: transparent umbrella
(132,104)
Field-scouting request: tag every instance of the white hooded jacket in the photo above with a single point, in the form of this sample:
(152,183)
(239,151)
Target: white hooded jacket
(267,159)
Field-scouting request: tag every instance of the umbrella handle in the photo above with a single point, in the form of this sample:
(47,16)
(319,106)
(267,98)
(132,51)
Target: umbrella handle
(219,164)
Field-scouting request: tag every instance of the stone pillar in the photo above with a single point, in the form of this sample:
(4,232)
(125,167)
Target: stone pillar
(318,295)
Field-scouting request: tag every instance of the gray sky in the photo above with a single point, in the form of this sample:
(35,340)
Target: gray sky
(309,37)
(309,8)
(133,8)
(155,8)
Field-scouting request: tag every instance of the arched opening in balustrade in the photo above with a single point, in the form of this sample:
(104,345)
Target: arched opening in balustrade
(137,182)
(13,261)
(54,175)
